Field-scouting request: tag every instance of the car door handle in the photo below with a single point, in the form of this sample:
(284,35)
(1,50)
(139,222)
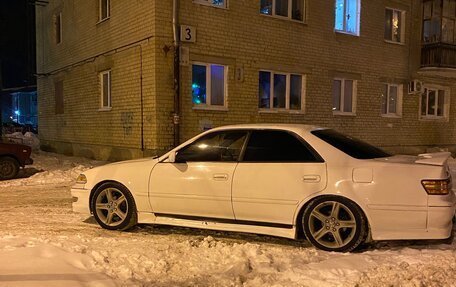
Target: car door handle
(311,178)
(220,176)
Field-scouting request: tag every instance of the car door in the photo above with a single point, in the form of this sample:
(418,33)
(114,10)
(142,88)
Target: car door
(199,182)
(277,172)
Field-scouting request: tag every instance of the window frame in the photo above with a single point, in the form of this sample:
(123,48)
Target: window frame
(446,103)
(358,18)
(290,12)
(287,92)
(342,97)
(58,33)
(401,28)
(400,96)
(109,96)
(100,10)
(208,3)
(208,105)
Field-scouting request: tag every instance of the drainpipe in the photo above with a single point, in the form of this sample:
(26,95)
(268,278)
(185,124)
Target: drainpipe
(176,114)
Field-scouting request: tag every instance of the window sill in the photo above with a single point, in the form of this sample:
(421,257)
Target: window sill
(433,119)
(279,111)
(345,114)
(284,18)
(210,108)
(346,33)
(105,109)
(211,5)
(103,20)
(392,116)
(394,42)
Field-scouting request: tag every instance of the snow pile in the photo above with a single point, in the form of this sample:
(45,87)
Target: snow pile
(28,138)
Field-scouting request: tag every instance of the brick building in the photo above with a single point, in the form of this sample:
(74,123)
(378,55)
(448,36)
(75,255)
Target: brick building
(106,71)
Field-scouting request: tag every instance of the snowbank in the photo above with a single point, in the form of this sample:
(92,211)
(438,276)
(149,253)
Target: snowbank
(28,138)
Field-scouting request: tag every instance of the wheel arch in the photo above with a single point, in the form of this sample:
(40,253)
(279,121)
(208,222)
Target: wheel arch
(13,157)
(307,201)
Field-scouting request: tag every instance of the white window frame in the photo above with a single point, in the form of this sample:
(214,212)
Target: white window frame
(290,11)
(400,93)
(101,79)
(402,27)
(358,19)
(100,10)
(287,92)
(209,3)
(208,104)
(342,95)
(59,27)
(446,103)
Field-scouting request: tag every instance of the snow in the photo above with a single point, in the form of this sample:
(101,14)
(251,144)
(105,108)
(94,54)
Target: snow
(42,243)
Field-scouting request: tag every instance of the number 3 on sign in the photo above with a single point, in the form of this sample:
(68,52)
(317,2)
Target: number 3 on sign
(187,34)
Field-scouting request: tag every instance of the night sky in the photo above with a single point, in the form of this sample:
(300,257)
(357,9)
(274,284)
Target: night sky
(17,43)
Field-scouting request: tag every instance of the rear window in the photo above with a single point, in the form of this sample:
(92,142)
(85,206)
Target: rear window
(353,147)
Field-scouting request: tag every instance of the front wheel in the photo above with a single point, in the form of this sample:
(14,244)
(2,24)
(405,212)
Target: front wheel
(334,223)
(113,207)
(9,168)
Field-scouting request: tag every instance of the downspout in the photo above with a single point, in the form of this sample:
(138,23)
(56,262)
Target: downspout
(176,114)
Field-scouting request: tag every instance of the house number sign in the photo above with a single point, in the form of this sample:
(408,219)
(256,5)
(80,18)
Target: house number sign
(187,34)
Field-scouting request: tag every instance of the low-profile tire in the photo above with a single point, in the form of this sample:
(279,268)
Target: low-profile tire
(113,207)
(334,223)
(9,167)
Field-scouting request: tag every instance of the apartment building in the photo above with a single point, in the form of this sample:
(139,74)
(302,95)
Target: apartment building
(383,71)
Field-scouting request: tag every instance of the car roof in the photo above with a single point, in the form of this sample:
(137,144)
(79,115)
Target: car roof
(301,127)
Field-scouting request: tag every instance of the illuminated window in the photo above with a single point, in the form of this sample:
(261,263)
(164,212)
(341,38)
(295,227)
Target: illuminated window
(392,100)
(347,16)
(209,84)
(215,3)
(394,25)
(58,28)
(344,96)
(105,88)
(281,91)
(292,9)
(435,103)
(104,9)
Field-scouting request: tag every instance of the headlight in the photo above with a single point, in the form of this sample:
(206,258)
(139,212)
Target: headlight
(82,179)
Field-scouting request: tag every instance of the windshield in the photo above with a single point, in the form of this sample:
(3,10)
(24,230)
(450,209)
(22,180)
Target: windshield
(349,145)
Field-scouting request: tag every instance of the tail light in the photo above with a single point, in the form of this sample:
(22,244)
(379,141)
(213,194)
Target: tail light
(437,186)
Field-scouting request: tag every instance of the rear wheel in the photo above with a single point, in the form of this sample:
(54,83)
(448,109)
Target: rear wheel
(334,223)
(9,167)
(113,207)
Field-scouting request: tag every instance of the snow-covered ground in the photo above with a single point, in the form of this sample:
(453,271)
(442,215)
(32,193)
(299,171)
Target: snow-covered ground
(42,243)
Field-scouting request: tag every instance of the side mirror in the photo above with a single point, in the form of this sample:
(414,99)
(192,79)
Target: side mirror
(172,157)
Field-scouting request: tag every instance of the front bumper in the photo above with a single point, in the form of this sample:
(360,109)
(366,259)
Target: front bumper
(81,203)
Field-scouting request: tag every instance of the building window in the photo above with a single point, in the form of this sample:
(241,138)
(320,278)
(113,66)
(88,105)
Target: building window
(58,28)
(58,90)
(344,96)
(439,21)
(281,91)
(291,9)
(392,100)
(209,84)
(394,25)
(105,88)
(434,103)
(215,3)
(347,16)
(104,9)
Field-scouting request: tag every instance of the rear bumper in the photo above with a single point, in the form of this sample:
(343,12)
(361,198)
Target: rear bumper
(441,212)
(81,202)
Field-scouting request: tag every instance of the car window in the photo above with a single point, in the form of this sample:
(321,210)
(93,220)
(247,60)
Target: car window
(349,145)
(278,146)
(216,146)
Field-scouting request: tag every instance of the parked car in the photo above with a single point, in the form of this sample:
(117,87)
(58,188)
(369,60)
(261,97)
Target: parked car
(280,180)
(12,157)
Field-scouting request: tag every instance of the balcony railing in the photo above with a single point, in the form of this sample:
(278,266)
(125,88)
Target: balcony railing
(439,55)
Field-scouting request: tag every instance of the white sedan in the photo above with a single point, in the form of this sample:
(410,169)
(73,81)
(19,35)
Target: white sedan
(283,180)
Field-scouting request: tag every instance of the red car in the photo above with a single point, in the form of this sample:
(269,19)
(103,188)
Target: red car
(12,157)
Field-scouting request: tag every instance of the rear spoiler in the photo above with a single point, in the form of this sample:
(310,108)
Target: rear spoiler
(437,158)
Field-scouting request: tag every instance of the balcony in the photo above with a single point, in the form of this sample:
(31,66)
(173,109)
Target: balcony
(438,55)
